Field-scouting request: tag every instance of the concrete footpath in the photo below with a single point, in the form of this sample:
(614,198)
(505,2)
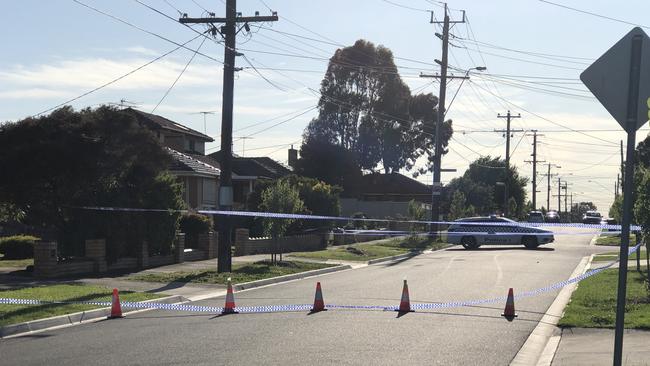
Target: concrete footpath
(595,346)
(580,346)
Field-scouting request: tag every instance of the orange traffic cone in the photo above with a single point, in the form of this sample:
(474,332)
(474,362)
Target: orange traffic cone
(116,308)
(405,303)
(319,305)
(509,311)
(229,308)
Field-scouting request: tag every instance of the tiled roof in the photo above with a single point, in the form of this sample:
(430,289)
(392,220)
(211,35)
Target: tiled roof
(393,183)
(156,121)
(263,167)
(186,163)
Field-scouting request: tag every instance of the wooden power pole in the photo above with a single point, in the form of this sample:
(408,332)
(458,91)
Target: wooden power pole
(229,32)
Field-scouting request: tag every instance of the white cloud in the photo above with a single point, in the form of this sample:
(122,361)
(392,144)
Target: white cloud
(93,72)
(34,93)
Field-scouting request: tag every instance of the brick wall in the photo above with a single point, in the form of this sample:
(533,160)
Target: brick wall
(299,243)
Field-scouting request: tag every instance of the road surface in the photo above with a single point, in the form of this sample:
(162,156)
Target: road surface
(468,336)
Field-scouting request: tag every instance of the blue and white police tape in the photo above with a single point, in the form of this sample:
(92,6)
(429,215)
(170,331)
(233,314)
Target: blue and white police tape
(306,307)
(277,215)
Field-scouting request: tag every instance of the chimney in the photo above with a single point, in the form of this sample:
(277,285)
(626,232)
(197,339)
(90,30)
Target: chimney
(293,157)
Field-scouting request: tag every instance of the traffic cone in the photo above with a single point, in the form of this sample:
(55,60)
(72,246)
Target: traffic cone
(229,308)
(509,311)
(319,305)
(116,308)
(405,303)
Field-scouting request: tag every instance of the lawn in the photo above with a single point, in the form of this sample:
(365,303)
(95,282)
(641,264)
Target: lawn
(17,263)
(12,314)
(373,250)
(241,273)
(612,256)
(614,240)
(593,304)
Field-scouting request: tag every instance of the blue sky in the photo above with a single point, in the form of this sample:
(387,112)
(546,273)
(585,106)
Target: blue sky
(534,51)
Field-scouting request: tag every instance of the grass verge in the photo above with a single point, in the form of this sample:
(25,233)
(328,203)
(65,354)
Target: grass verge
(12,314)
(373,250)
(16,263)
(240,273)
(613,240)
(593,304)
(611,256)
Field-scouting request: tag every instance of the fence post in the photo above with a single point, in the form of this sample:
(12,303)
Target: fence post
(96,250)
(45,259)
(179,255)
(241,241)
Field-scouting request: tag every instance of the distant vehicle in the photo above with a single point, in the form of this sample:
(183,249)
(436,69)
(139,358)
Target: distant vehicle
(473,232)
(535,216)
(552,216)
(592,217)
(608,221)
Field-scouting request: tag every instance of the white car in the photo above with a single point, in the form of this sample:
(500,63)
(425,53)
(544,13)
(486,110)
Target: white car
(472,232)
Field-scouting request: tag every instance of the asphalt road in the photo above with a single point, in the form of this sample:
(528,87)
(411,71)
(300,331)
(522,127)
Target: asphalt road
(459,336)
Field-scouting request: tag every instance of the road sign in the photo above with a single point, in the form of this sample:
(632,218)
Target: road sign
(620,80)
(617,75)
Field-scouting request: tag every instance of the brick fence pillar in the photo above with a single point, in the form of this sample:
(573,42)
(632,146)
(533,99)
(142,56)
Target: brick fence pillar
(45,259)
(143,255)
(241,241)
(96,250)
(179,254)
(208,243)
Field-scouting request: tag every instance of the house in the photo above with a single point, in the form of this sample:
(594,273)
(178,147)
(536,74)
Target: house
(198,173)
(248,170)
(382,195)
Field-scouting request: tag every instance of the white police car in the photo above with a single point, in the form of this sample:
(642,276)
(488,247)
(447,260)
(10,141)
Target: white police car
(472,232)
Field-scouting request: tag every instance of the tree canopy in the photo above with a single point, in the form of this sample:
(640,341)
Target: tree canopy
(366,108)
(56,163)
(479,186)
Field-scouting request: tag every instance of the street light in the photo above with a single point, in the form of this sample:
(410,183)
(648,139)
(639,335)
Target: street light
(477,68)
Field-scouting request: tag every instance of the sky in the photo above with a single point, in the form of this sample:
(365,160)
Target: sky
(58,52)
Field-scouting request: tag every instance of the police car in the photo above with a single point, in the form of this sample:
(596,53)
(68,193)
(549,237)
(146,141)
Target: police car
(472,232)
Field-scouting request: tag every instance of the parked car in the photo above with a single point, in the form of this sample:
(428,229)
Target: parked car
(552,216)
(535,216)
(592,217)
(473,232)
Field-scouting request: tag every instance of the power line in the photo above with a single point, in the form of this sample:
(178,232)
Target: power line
(116,79)
(179,76)
(546,119)
(595,14)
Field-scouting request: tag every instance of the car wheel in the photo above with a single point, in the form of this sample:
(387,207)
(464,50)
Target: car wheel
(469,242)
(530,242)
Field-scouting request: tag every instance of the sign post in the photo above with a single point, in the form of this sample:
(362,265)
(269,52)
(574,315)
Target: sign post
(620,80)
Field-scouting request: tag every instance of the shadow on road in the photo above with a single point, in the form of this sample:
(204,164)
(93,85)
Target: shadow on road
(482,249)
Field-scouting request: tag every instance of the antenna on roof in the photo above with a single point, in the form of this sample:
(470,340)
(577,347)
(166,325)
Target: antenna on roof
(125,103)
(204,113)
(243,149)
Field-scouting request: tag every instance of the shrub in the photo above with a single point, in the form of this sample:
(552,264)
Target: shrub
(192,225)
(17,247)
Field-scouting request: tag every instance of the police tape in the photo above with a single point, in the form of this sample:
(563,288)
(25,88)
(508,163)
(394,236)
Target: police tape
(307,307)
(277,215)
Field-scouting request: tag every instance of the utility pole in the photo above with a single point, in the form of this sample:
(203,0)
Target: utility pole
(535,161)
(548,185)
(622,166)
(229,32)
(437,186)
(559,195)
(507,131)
(566,193)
